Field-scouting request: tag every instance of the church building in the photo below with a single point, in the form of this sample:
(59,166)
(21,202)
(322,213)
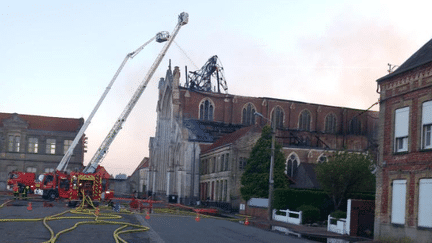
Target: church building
(204,136)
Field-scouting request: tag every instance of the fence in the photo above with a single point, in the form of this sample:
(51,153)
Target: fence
(288,216)
(337,226)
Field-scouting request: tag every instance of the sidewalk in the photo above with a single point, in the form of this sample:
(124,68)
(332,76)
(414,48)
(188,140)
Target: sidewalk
(303,230)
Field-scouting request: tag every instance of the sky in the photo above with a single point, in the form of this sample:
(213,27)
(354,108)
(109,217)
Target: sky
(57,57)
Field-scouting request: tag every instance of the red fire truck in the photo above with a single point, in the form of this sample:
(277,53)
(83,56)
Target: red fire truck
(23,179)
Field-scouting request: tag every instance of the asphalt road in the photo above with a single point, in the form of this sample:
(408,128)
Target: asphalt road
(163,228)
(174,228)
(35,231)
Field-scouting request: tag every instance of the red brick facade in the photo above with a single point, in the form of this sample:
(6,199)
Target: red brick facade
(410,87)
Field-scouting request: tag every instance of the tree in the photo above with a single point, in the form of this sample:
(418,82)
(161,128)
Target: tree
(255,179)
(345,173)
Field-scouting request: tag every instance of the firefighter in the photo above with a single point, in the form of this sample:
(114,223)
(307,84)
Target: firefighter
(24,193)
(16,191)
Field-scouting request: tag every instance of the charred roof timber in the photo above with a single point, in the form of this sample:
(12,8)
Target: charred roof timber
(202,79)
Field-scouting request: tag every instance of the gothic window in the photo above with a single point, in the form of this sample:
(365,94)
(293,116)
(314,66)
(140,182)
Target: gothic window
(227,161)
(355,126)
(330,123)
(279,117)
(242,163)
(305,120)
(248,117)
(206,110)
(292,164)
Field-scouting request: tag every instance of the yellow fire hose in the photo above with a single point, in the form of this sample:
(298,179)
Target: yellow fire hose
(97,218)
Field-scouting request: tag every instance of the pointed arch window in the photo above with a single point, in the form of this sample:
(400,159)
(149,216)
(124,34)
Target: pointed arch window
(305,120)
(206,110)
(355,126)
(248,117)
(330,123)
(279,115)
(292,164)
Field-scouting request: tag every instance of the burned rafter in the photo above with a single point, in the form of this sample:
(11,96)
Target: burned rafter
(202,79)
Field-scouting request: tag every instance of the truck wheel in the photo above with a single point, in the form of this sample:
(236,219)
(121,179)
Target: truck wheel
(51,195)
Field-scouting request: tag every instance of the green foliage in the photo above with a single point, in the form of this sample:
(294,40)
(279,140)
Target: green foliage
(310,214)
(255,179)
(338,214)
(294,198)
(345,173)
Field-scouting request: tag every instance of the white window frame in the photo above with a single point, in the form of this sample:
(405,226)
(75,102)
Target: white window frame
(66,144)
(48,170)
(50,146)
(14,143)
(33,145)
(425,203)
(398,202)
(427,125)
(31,169)
(401,129)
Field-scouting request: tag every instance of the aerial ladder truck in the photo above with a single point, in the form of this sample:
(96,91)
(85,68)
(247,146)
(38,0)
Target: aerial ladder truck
(93,180)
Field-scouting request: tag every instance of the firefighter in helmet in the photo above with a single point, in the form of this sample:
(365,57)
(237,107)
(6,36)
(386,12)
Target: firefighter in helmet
(16,191)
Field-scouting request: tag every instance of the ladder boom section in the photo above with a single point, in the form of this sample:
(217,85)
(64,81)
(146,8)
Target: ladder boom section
(67,156)
(103,148)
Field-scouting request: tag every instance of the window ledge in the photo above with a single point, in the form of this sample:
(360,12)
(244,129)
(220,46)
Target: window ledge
(426,150)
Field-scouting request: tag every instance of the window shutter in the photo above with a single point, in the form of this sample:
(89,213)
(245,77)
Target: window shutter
(402,122)
(398,202)
(427,113)
(425,203)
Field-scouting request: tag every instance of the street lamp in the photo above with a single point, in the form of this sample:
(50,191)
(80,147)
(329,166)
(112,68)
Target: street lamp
(271,181)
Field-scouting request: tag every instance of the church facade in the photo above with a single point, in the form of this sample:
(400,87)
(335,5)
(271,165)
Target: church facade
(194,156)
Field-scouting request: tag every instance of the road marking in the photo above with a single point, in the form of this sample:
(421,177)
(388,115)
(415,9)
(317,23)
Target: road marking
(154,237)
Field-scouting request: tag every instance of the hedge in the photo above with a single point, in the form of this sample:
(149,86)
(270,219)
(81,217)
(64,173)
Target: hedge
(294,198)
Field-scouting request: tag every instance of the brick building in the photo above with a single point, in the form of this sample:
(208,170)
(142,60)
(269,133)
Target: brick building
(190,120)
(36,143)
(404,176)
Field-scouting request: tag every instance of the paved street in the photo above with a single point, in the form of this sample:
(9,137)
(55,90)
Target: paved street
(170,228)
(35,231)
(162,227)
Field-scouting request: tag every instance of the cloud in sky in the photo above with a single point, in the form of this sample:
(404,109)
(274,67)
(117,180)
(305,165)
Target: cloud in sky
(62,56)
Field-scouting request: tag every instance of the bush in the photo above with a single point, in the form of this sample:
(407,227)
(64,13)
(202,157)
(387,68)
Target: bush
(310,214)
(338,214)
(294,198)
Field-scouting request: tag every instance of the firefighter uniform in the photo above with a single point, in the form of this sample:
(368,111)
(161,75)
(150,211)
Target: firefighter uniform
(24,193)
(16,191)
